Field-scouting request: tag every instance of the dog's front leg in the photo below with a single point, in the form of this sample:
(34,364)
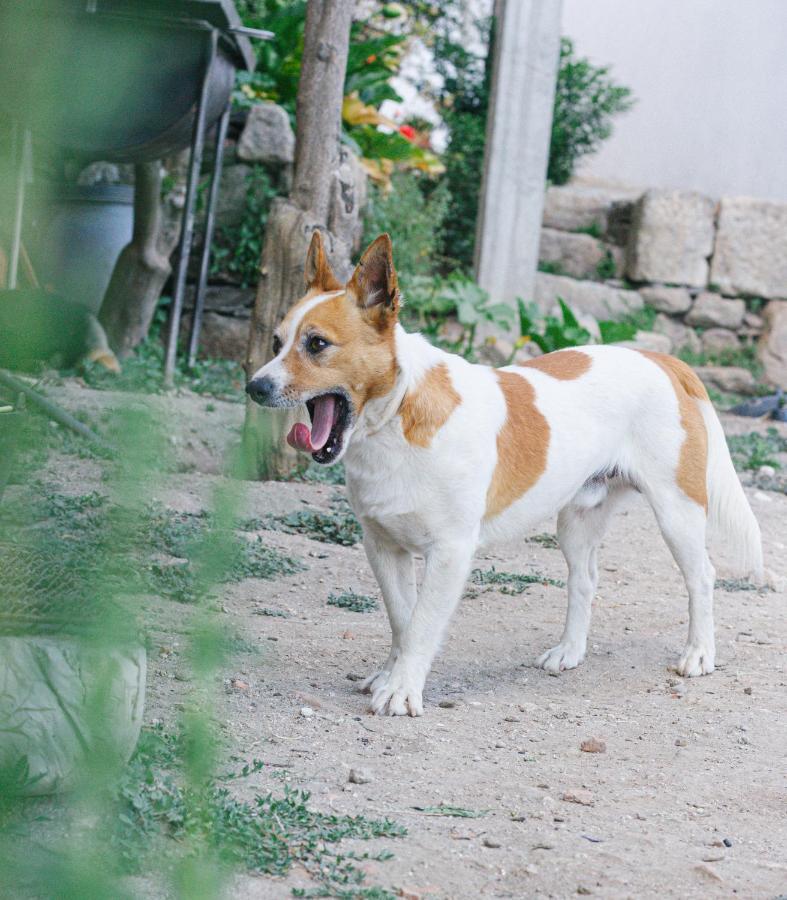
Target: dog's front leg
(394,570)
(445,574)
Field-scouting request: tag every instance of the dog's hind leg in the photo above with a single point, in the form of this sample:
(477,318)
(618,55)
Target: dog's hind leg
(394,570)
(682,522)
(579,532)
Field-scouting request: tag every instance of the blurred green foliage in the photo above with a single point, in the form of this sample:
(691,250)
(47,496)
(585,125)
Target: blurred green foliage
(586,101)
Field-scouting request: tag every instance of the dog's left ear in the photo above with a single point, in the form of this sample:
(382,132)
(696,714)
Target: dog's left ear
(317,271)
(374,284)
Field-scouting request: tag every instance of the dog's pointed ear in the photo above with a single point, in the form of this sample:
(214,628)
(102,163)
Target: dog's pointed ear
(374,283)
(318,271)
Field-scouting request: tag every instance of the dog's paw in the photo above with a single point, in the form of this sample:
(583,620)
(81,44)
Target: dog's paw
(400,694)
(373,682)
(564,656)
(697,659)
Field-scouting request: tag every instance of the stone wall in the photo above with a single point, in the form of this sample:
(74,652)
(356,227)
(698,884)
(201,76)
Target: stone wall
(714,273)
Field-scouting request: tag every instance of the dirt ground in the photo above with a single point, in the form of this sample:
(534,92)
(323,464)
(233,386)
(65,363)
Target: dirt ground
(688,800)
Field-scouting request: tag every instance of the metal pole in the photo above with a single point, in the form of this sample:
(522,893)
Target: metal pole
(210,219)
(187,233)
(19,206)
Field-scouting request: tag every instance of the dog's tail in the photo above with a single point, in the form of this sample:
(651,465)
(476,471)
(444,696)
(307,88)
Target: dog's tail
(729,513)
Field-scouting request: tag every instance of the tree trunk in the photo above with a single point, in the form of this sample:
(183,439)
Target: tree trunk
(143,266)
(323,197)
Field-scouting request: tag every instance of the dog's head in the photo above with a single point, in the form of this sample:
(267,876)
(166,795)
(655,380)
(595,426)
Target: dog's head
(334,350)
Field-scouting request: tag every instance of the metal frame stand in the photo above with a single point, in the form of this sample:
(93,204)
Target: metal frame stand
(189,210)
(210,221)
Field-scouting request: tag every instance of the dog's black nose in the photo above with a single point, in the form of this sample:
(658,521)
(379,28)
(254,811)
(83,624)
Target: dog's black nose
(260,389)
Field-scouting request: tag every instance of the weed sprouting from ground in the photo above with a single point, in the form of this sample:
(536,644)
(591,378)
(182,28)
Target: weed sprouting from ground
(268,835)
(737,584)
(549,541)
(359,603)
(336,526)
(753,450)
(511,582)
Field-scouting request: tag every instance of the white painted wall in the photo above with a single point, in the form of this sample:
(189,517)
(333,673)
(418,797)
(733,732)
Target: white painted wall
(710,77)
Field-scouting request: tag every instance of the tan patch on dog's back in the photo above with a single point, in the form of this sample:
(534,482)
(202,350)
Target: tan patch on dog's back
(563,364)
(428,407)
(693,461)
(522,445)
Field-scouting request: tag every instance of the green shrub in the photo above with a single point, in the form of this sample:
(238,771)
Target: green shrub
(411,212)
(429,302)
(237,249)
(586,100)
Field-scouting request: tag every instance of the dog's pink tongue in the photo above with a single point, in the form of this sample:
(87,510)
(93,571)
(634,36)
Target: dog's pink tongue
(300,437)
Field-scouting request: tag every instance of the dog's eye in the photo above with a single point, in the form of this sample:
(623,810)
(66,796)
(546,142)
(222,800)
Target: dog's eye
(276,345)
(315,344)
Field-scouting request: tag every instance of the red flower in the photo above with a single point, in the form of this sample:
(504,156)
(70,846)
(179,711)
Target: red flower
(407,131)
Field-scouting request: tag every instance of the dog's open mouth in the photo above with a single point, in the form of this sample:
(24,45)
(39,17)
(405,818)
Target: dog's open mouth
(330,415)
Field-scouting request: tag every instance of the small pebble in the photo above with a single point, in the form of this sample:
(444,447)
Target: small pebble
(766,471)
(492,843)
(239,685)
(580,796)
(681,743)
(307,712)
(593,745)
(446,704)
(727,842)
(747,690)
(353,676)
(359,776)
(583,890)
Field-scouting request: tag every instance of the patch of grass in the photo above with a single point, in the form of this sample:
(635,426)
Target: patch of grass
(594,230)
(546,540)
(456,812)
(743,357)
(606,268)
(751,451)
(510,582)
(324,474)
(159,811)
(269,611)
(550,267)
(736,584)
(143,371)
(359,603)
(337,526)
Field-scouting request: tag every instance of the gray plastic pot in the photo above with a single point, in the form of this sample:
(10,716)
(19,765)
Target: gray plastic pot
(63,701)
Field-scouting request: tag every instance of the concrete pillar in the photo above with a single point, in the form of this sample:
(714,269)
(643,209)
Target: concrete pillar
(526,54)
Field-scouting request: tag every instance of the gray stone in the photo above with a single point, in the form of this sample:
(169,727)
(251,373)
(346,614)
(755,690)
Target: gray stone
(772,347)
(671,238)
(221,337)
(225,299)
(233,190)
(717,340)
(682,337)
(268,136)
(598,300)
(577,255)
(654,341)
(753,321)
(714,311)
(579,206)
(359,776)
(731,379)
(750,256)
(672,300)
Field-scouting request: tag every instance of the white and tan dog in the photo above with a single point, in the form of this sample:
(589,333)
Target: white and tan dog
(443,457)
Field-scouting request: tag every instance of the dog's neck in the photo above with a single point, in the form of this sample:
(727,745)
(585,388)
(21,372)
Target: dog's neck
(414,356)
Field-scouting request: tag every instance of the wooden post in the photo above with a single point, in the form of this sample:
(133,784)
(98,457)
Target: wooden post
(318,162)
(519,123)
